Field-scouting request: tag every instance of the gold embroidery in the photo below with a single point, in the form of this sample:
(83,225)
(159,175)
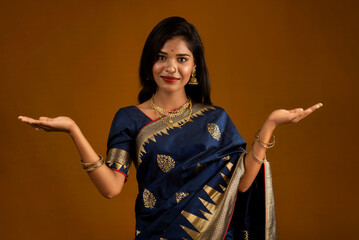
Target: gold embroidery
(245,234)
(230,166)
(180,196)
(165,162)
(137,232)
(199,168)
(149,199)
(201,224)
(226,158)
(213,129)
(120,157)
(150,132)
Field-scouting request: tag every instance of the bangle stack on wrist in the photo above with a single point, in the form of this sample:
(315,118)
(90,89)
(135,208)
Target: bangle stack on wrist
(262,144)
(88,167)
(255,156)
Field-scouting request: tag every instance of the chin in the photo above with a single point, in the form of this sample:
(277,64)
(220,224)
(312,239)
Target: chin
(171,89)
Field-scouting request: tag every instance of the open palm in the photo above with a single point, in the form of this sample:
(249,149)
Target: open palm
(282,116)
(58,124)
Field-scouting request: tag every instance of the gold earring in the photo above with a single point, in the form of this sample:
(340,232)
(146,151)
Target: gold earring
(193,80)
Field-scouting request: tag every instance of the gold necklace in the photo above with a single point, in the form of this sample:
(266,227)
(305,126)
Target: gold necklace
(187,120)
(171,114)
(176,113)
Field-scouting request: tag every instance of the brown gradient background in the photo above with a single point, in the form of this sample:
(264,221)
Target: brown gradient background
(80,59)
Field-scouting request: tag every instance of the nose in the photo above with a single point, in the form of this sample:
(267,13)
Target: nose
(170,67)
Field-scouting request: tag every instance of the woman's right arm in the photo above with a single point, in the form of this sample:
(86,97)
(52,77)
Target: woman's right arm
(108,182)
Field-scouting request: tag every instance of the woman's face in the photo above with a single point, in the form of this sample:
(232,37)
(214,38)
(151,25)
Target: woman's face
(174,65)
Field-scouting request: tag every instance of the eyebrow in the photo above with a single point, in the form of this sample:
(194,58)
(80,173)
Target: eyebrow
(180,55)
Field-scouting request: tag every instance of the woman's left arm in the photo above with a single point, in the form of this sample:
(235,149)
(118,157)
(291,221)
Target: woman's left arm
(275,119)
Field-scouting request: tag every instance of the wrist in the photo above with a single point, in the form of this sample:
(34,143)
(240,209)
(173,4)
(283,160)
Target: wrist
(73,129)
(265,138)
(269,126)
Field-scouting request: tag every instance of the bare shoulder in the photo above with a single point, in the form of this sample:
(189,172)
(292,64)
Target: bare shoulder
(147,109)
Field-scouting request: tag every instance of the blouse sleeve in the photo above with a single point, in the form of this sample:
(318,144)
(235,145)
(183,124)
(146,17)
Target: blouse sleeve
(121,143)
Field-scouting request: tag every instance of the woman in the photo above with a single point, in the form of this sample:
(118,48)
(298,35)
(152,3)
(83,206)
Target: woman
(195,178)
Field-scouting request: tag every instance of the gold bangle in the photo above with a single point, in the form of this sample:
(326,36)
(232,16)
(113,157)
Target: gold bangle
(255,156)
(264,144)
(88,167)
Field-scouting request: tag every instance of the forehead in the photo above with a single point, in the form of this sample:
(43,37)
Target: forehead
(176,45)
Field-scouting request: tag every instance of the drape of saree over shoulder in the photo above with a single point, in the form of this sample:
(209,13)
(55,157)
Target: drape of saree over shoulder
(188,176)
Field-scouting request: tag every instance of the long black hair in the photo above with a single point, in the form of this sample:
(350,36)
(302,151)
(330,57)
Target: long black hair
(167,29)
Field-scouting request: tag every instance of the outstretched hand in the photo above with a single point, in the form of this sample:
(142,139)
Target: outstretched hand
(282,116)
(58,124)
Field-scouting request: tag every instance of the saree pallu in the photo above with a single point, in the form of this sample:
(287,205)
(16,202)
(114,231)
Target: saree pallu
(188,175)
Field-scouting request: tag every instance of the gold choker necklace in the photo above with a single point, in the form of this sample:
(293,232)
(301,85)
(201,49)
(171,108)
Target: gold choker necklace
(175,113)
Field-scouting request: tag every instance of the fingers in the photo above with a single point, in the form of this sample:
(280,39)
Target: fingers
(40,129)
(317,106)
(24,119)
(30,120)
(295,114)
(44,128)
(303,113)
(34,121)
(313,108)
(296,110)
(40,124)
(46,119)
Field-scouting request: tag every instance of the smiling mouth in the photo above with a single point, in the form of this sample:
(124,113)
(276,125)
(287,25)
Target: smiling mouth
(169,79)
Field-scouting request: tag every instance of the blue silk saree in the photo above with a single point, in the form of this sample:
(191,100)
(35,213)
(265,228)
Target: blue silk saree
(188,176)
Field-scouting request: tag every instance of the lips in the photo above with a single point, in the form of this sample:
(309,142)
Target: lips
(169,78)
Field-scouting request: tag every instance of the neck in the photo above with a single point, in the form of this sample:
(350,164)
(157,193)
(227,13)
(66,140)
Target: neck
(170,101)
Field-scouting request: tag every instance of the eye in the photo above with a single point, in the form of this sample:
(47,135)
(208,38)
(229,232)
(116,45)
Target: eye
(161,57)
(182,59)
